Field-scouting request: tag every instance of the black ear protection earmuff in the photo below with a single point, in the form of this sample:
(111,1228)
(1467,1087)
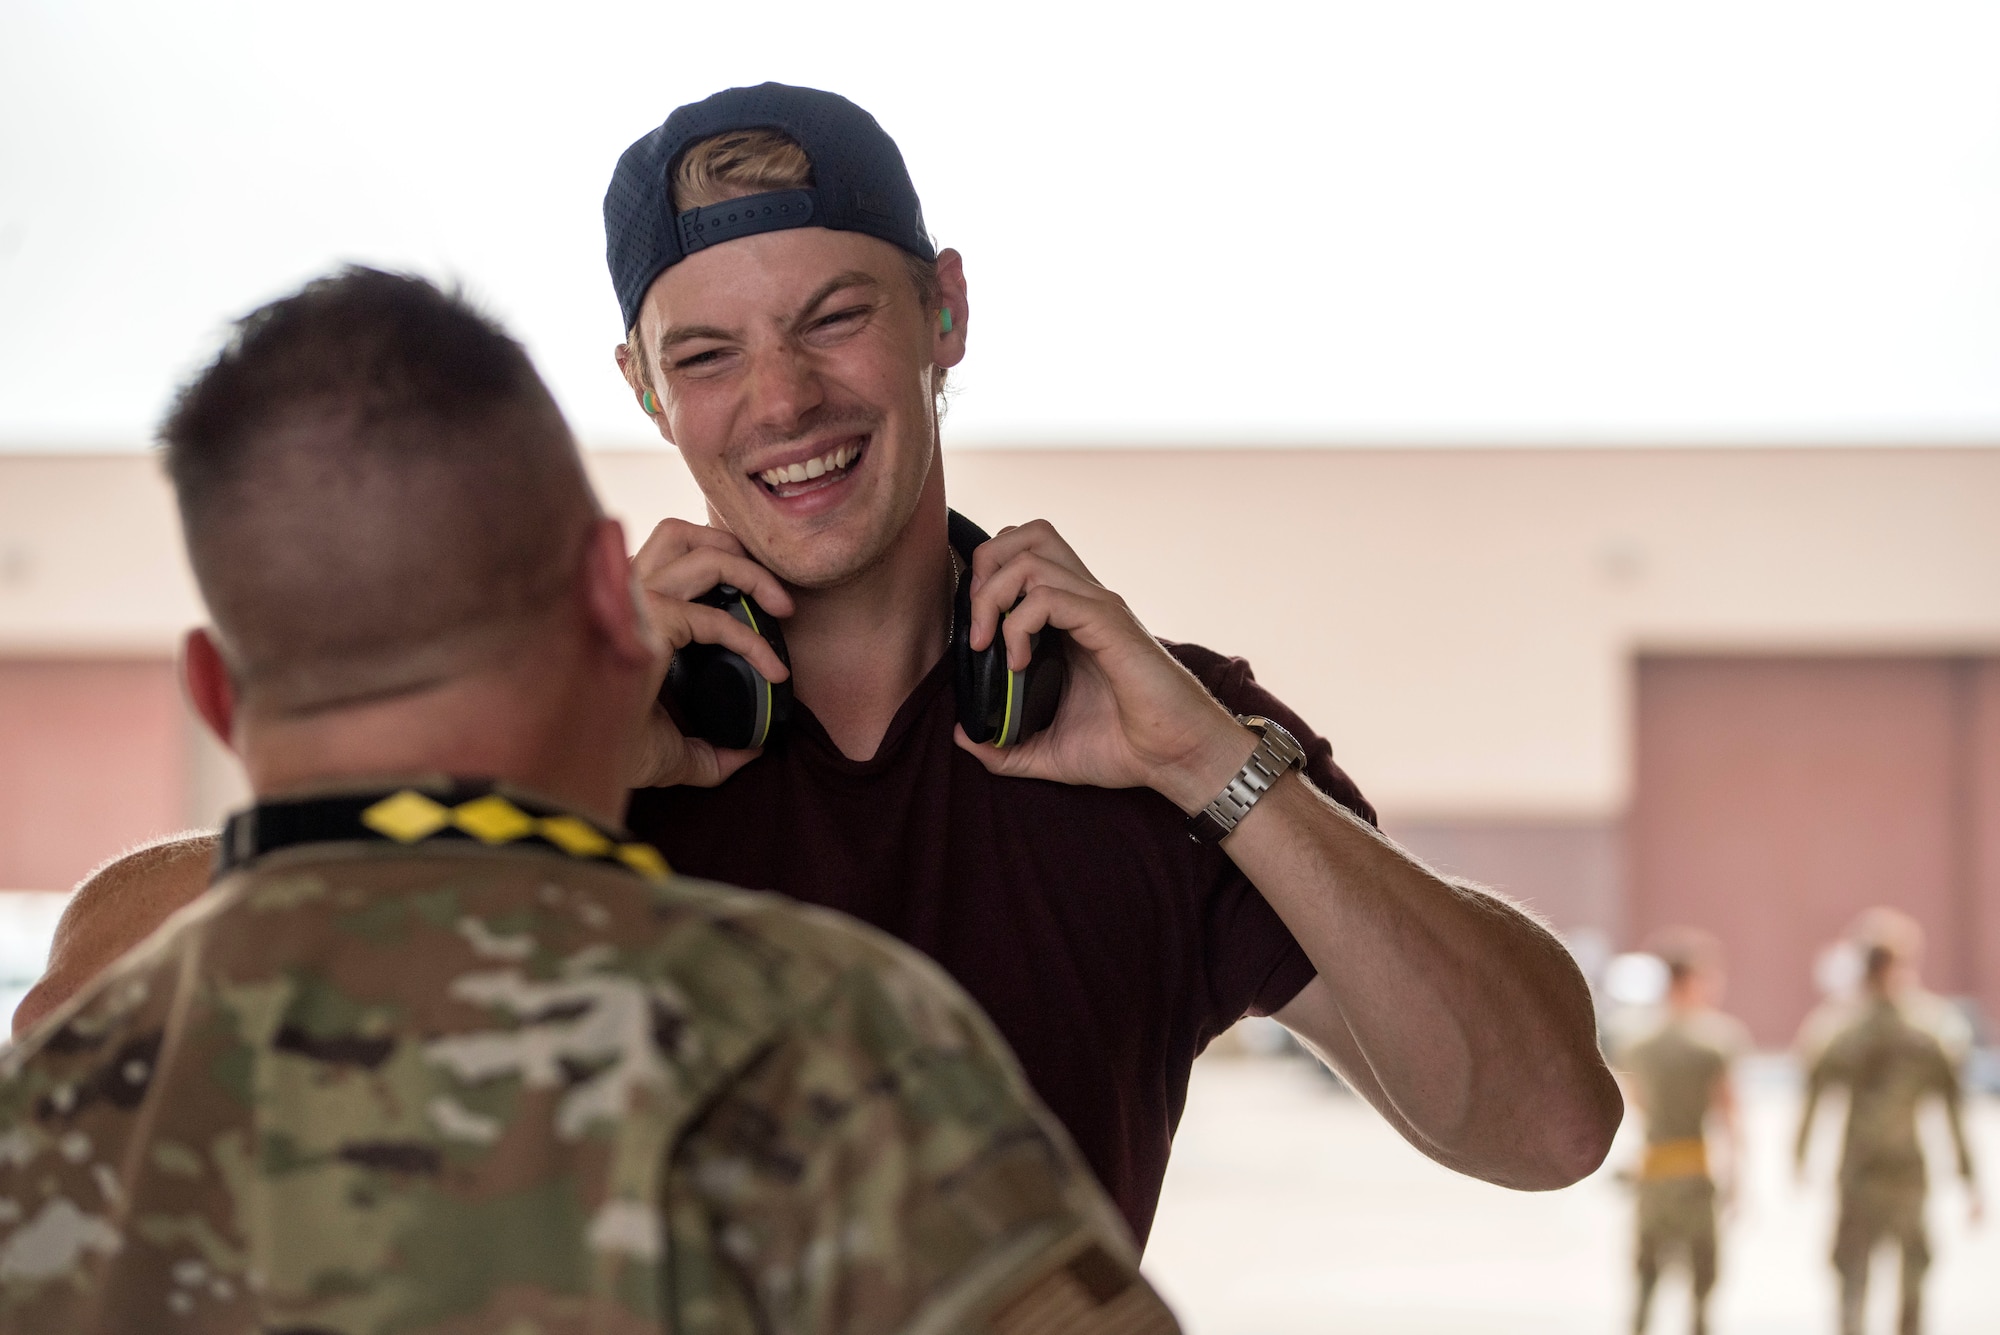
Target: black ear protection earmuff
(717,695)
(995,703)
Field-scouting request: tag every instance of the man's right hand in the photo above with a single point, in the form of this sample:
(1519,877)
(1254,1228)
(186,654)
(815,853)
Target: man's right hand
(678,563)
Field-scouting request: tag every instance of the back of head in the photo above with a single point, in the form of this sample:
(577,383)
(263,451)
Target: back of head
(377,492)
(1694,962)
(1890,929)
(1890,943)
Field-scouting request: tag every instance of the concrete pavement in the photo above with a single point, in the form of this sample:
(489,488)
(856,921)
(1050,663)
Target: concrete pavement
(1291,1208)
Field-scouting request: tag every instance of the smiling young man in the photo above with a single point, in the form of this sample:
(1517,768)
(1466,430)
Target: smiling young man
(789,327)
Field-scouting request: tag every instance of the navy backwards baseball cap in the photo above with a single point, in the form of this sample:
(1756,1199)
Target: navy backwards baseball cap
(859,185)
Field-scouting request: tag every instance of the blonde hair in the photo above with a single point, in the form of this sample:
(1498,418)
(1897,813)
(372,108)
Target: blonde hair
(741,162)
(750,162)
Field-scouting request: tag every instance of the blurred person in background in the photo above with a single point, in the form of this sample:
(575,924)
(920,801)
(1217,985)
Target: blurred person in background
(445,1049)
(1841,974)
(1679,1076)
(789,327)
(1891,1048)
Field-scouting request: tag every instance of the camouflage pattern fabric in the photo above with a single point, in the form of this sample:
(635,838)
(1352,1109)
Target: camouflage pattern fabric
(1677,1219)
(1891,1058)
(1926,1010)
(1676,1065)
(1890,1066)
(1882,1211)
(450,1088)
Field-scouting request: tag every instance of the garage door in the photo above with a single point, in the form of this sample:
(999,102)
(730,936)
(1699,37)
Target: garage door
(1777,797)
(93,759)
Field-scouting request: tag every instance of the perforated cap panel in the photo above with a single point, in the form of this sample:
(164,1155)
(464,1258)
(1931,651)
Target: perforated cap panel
(860,182)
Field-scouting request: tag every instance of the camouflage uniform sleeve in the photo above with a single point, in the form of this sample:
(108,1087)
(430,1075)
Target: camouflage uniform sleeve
(72,1104)
(1950,1089)
(882,1167)
(1822,1069)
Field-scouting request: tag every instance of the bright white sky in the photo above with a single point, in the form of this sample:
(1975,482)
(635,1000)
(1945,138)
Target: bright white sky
(1538,221)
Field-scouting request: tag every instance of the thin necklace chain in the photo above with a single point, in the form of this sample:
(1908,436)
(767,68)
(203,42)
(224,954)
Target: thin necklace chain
(951,625)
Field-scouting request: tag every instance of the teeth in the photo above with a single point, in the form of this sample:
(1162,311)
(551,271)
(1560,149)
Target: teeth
(830,462)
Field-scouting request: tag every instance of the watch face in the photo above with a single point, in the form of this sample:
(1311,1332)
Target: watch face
(1286,745)
(1277,737)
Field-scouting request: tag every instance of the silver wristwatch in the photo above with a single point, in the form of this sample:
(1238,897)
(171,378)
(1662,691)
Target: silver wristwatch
(1276,755)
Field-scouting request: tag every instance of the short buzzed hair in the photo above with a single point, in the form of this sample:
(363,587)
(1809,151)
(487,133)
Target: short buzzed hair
(1886,937)
(372,481)
(1687,951)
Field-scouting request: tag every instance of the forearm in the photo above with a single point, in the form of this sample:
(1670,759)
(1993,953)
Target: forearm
(1813,1087)
(1731,1119)
(1955,1117)
(1470,1017)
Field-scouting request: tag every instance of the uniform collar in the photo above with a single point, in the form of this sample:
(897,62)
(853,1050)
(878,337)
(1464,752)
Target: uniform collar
(430,811)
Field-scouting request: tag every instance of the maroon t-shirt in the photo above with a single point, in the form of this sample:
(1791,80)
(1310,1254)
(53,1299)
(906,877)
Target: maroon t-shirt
(1107,946)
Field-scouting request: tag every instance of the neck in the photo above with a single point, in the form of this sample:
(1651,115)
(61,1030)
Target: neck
(474,727)
(859,649)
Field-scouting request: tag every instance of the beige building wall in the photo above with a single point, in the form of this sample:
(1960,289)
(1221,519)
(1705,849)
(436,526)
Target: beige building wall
(90,557)
(1462,623)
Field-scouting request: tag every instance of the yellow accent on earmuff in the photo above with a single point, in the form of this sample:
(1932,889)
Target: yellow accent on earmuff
(1007,713)
(758,740)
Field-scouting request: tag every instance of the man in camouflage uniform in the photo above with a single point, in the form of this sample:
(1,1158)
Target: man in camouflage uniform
(1678,1076)
(1890,1055)
(436,1055)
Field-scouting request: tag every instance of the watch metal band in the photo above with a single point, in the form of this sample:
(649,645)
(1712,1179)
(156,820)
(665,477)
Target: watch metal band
(1277,754)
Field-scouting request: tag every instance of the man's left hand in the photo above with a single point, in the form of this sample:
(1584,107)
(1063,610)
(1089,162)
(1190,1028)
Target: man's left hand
(1131,715)
(1428,992)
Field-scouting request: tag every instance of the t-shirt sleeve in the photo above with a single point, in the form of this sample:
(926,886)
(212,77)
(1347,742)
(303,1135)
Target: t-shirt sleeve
(1254,965)
(1231,681)
(1953,1030)
(883,1167)
(1627,1046)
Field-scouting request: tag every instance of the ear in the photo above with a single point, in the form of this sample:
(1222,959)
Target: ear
(205,675)
(628,366)
(948,349)
(617,611)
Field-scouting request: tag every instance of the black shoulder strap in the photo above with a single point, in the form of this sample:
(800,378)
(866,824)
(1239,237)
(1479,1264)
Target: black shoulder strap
(477,811)
(963,534)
